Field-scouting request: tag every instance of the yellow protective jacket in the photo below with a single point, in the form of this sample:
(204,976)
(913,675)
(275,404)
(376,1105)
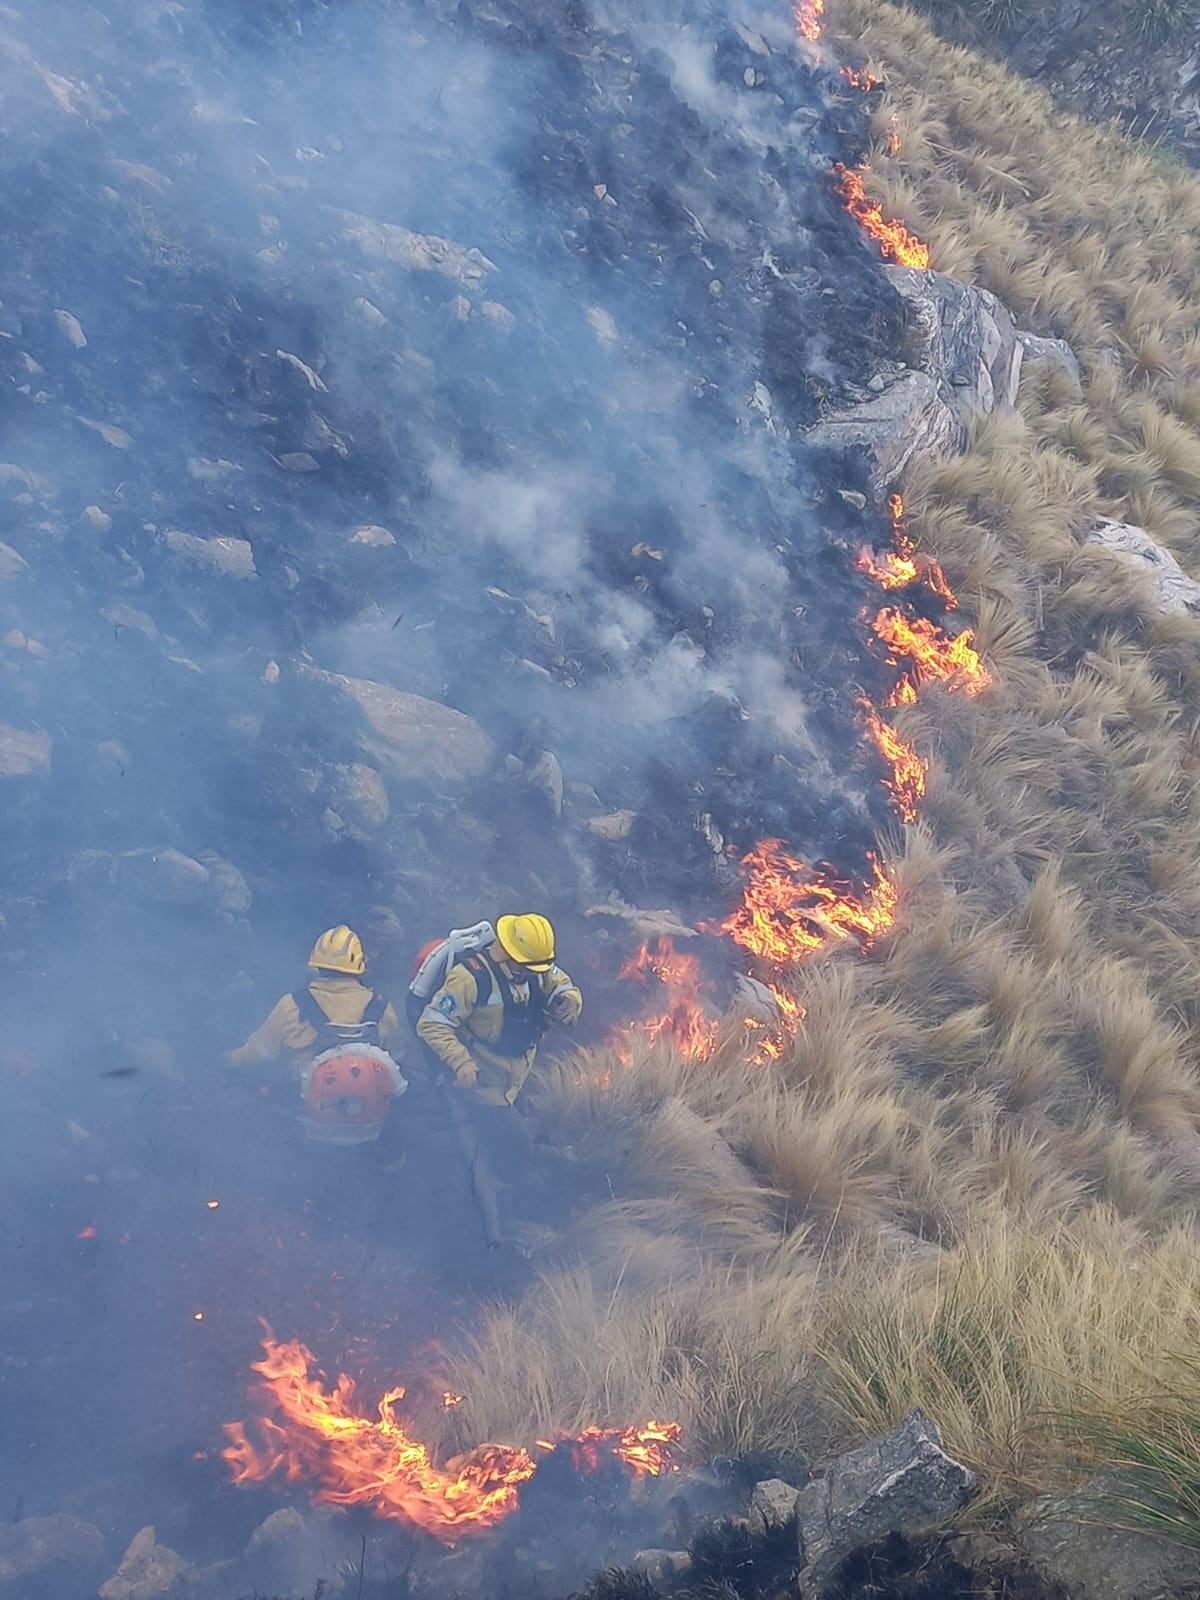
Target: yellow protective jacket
(342,999)
(460,1031)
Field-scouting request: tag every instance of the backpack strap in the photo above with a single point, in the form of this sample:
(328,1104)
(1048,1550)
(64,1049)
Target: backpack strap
(377,1005)
(310,1012)
(485,977)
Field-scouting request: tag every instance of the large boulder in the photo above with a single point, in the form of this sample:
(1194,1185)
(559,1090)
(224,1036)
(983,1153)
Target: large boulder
(47,1555)
(963,354)
(1071,1539)
(1165,587)
(902,1482)
(414,738)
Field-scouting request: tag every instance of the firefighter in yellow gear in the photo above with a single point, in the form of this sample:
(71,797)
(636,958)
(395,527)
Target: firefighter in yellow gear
(336,997)
(486,1020)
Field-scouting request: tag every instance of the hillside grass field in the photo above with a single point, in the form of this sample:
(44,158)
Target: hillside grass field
(971,1181)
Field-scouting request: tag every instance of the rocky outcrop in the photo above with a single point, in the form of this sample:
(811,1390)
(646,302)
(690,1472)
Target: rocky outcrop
(44,1555)
(1072,1540)
(147,1571)
(963,353)
(904,1481)
(1166,589)
(416,739)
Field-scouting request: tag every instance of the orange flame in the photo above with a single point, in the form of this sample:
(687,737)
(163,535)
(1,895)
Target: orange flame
(353,1459)
(933,654)
(678,982)
(789,910)
(894,240)
(861,78)
(907,771)
(810,18)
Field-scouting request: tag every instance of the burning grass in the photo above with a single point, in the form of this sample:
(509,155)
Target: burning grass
(968,1177)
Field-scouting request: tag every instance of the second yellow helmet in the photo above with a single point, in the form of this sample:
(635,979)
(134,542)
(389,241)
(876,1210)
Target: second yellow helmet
(528,939)
(339,950)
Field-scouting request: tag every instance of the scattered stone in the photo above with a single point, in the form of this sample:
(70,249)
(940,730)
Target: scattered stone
(297,461)
(358,796)
(1072,1540)
(500,316)
(205,471)
(615,825)
(371,533)
(1055,351)
(418,738)
(424,252)
(854,499)
(29,1548)
(123,616)
(12,565)
(662,1566)
(147,1571)
(231,892)
(772,1506)
(271,672)
(306,372)
(280,1525)
(601,324)
(100,520)
(232,557)
(662,924)
(71,329)
(459,308)
(24,753)
(114,436)
(369,312)
(545,775)
(167,876)
(1166,588)
(904,1481)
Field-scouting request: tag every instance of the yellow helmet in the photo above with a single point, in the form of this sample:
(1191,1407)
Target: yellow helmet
(528,940)
(339,950)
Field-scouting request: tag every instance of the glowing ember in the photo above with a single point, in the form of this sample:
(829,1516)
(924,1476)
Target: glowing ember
(213,1205)
(645,1450)
(677,982)
(888,570)
(353,1459)
(907,772)
(932,654)
(810,18)
(894,240)
(860,78)
(450,1399)
(789,910)
(893,138)
(87,1233)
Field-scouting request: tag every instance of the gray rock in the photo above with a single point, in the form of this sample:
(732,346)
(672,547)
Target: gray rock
(1071,1540)
(1166,589)
(416,738)
(1056,351)
(59,1545)
(148,1570)
(167,876)
(229,889)
(964,355)
(772,1506)
(233,558)
(903,1481)
(12,565)
(662,1566)
(24,752)
(358,795)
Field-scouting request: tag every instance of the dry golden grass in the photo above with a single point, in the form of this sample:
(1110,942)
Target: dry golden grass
(970,1180)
